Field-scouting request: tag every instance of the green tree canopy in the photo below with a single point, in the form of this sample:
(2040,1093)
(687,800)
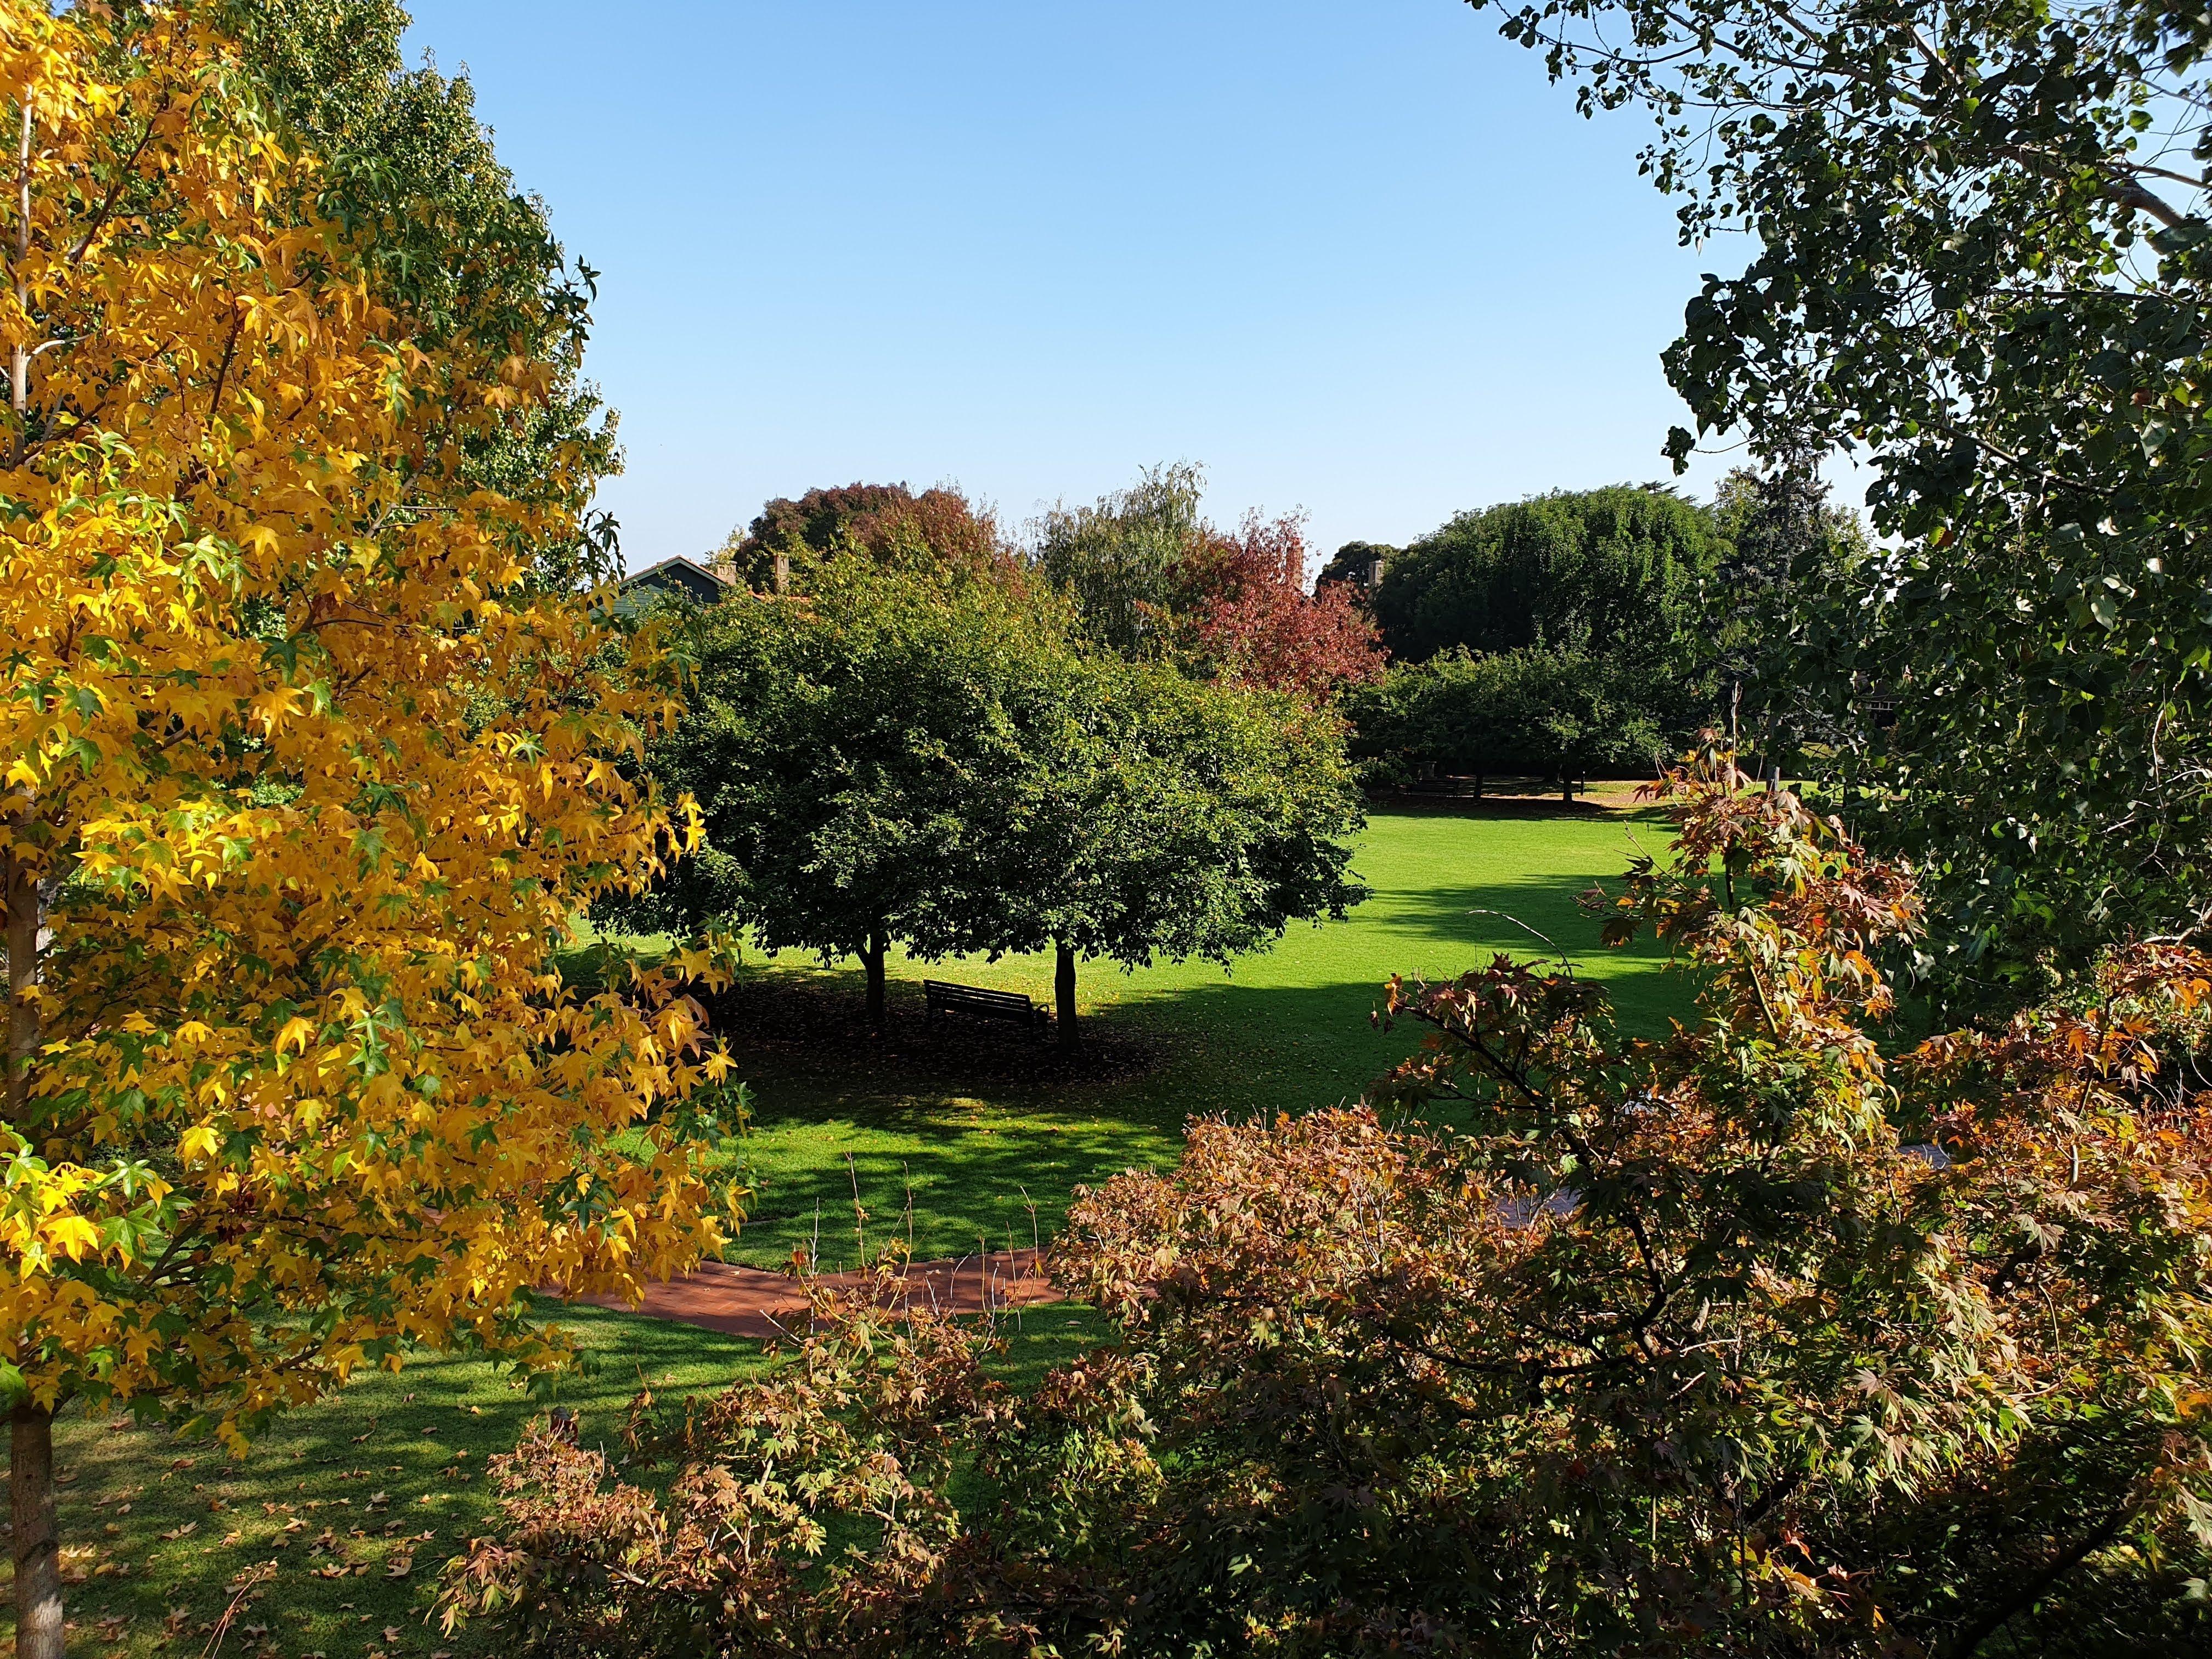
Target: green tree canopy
(448,240)
(864,758)
(1614,572)
(896,757)
(1195,819)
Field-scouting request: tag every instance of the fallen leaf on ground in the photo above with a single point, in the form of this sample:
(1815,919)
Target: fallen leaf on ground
(184,1531)
(398,1567)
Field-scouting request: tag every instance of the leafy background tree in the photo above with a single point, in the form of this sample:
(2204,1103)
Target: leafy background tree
(1565,634)
(1151,579)
(1614,571)
(938,529)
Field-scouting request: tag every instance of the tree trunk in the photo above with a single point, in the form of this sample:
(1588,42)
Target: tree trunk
(1063,993)
(19,891)
(1567,789)
(38,1551)
(1478,786)
(873,960)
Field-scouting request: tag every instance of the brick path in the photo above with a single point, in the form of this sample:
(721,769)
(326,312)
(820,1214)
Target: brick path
(752,1301)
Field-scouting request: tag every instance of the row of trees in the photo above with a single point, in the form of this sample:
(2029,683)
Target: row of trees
(1591,631)
(928,751)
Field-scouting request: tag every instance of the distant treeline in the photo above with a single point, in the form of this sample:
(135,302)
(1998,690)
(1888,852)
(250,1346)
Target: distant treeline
(1588,632)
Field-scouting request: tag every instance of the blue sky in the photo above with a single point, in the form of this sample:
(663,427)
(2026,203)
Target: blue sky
(1360,258)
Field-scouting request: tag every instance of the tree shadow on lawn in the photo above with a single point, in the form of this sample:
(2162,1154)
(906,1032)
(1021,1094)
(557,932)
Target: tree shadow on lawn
(969,1123)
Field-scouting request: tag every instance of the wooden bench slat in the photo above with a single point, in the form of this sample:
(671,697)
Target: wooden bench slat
(978,999)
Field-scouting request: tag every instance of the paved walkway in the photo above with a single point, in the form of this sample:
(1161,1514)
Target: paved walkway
(752,1301)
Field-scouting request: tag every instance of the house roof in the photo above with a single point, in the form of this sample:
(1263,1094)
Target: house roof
(678,575)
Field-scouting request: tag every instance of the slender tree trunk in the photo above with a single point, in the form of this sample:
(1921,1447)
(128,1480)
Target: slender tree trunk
(30,1447)
(873,960)
(1567,789)
(37,1550)
(1063,993)
(19,360)
(19,891)
(1478,786)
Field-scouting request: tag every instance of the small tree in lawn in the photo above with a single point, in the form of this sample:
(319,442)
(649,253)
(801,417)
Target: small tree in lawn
(303,770)
(1187,819)
(863,759)
(1557,715)
(897,758)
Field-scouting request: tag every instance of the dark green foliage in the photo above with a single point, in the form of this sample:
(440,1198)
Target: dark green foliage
(866,761)
(1198,819)
(1562,635)
(1982,260)
(1614,571)
(902,757)
(1559,714)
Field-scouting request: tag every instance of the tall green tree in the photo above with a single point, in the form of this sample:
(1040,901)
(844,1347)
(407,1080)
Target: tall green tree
(450,240)
(1982,260)
(1615,572)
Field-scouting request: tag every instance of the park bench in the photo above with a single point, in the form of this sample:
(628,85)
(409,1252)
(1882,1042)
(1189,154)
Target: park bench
(986,1005)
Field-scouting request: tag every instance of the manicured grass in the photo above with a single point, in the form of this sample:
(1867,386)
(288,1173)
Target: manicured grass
(977,1123)
(950,1135)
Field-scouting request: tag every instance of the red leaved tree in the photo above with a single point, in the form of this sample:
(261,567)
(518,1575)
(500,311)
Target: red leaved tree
(1257,622)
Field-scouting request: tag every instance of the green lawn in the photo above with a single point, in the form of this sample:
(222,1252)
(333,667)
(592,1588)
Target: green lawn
(359,1501)
(968,1122)
(388,1475)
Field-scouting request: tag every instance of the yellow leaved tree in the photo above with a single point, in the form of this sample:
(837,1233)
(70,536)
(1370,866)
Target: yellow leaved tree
(304,776)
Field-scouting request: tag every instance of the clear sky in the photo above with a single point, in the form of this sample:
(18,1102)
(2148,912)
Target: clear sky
(1360,258)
